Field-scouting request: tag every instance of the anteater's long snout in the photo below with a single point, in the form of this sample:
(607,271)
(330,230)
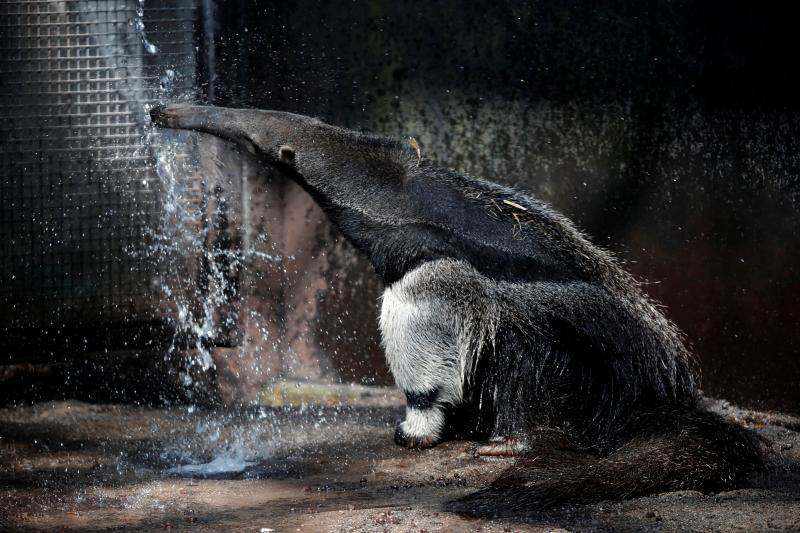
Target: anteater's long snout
(241,126)
(275,136)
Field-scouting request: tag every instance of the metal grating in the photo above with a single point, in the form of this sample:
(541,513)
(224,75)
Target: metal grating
(78,190)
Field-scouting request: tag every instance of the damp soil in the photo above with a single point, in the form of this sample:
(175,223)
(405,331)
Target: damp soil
(77,466)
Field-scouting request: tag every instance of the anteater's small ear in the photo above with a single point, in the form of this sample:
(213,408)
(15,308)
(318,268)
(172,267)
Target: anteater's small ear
(286,155)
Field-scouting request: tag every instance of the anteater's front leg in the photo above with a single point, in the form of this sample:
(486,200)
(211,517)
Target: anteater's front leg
(424,359)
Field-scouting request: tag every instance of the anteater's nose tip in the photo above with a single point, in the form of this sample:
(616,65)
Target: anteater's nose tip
(155,110)
(165,116)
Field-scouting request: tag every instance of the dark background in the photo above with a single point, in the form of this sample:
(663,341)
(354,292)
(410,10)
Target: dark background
(667,130)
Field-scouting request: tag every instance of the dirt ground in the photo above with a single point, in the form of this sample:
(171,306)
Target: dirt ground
(77,466)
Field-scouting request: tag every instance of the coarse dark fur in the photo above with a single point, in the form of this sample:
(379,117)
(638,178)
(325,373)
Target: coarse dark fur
(500,318)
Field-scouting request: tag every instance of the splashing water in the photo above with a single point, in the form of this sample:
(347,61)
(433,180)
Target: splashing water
(197,274)
(195,284)
(226,463)
(232,444)
(149,47)
(176,241)
(181,244)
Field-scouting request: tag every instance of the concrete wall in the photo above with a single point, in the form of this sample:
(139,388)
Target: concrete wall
(667,130)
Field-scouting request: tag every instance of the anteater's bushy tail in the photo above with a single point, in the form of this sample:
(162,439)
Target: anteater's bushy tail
(676,449)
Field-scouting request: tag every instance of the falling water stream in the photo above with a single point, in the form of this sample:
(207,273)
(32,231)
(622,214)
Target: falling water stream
(222,442)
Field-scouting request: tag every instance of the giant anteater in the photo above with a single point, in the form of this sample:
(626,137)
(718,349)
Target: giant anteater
(499,318)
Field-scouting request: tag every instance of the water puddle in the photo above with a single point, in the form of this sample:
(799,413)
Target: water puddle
(232,463)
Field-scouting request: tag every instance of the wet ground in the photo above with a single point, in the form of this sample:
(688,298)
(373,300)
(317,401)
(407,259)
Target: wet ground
(77,466)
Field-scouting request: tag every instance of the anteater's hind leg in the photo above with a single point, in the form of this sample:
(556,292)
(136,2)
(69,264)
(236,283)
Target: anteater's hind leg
(522,384)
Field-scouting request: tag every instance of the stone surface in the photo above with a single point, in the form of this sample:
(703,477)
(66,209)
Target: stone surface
(78,466)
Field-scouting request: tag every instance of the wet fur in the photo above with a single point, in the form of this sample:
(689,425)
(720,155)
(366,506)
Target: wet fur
(499,318)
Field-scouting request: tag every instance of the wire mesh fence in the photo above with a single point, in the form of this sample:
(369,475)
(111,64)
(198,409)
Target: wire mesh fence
(79,194)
